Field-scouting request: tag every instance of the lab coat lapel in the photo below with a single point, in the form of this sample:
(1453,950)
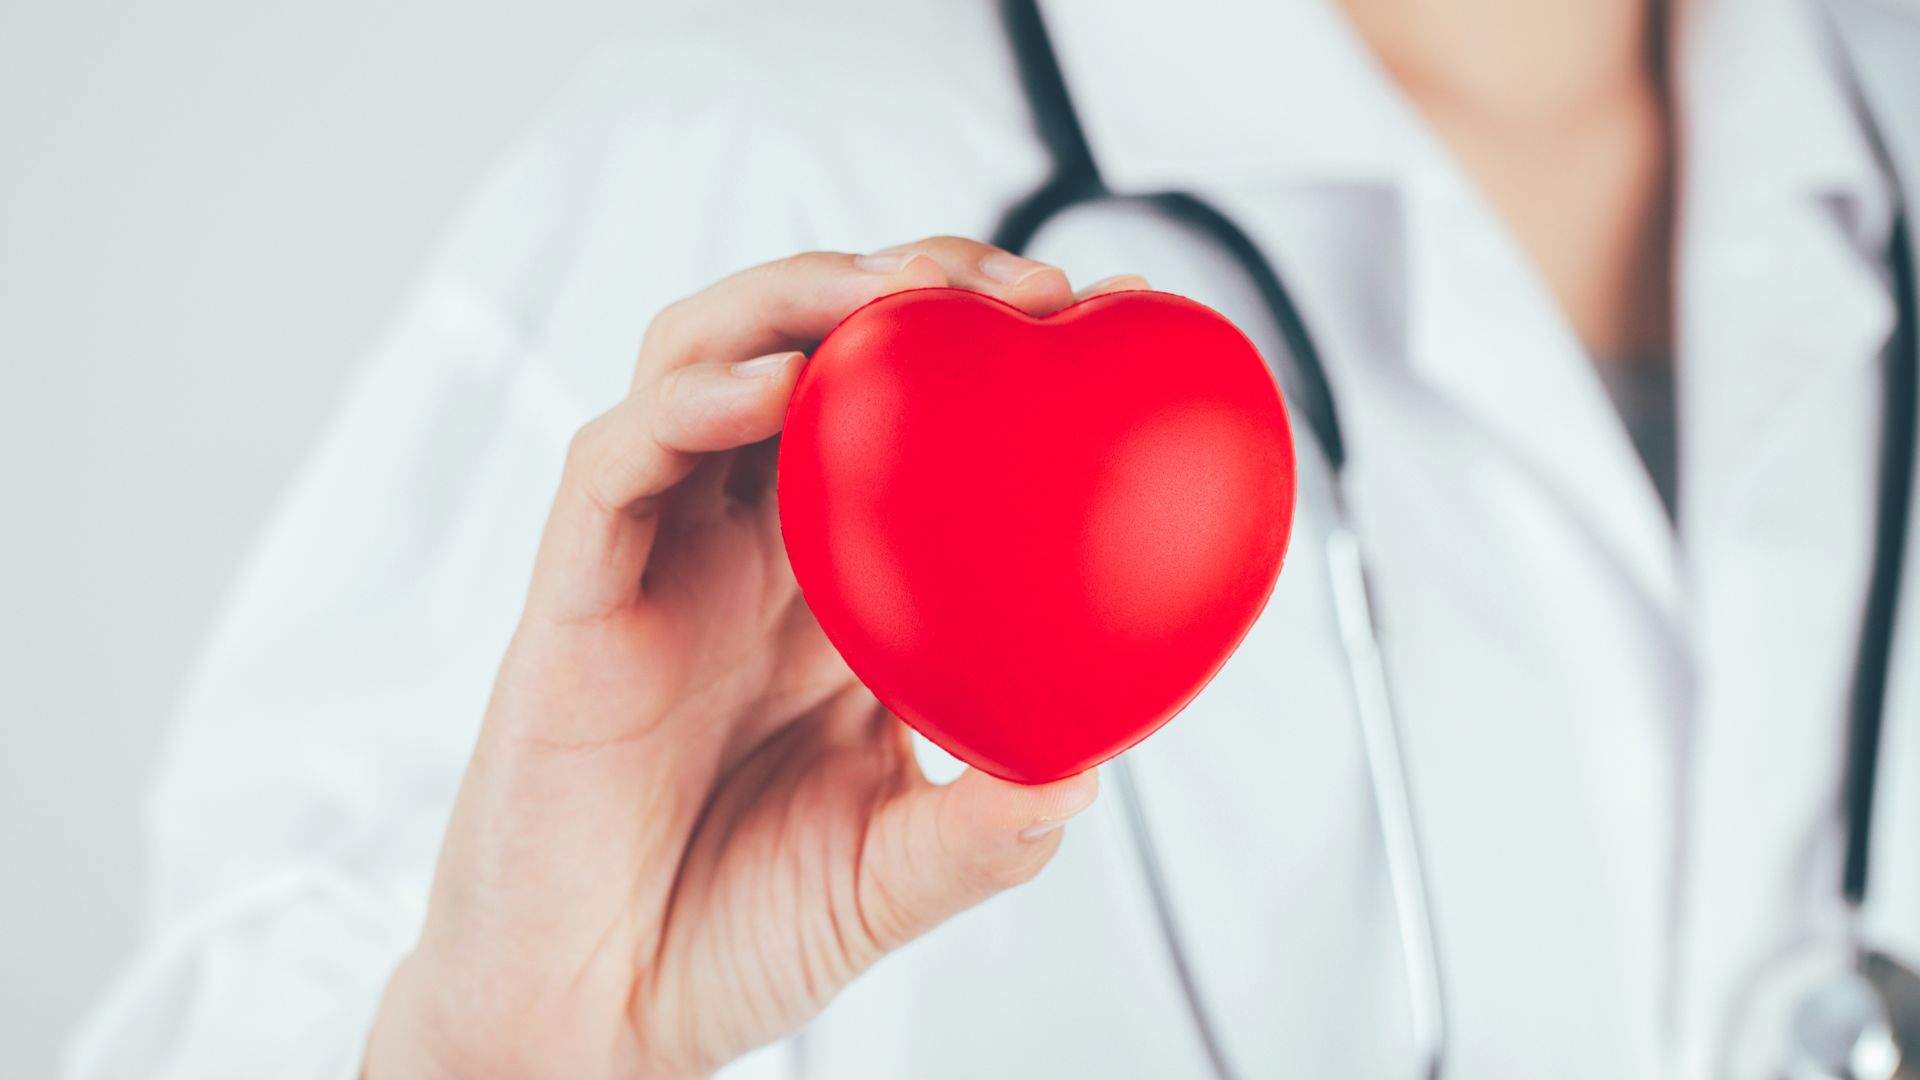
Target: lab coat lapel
(1510,364)
(1767,143)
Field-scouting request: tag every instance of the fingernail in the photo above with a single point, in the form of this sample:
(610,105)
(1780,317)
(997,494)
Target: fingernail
(762,366)
(1038,829)
(1010,269)
(1109,282)
(884,262)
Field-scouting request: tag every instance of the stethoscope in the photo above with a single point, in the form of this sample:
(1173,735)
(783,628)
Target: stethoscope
(1853,1023)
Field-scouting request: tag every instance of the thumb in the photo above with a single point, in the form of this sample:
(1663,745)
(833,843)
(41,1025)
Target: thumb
(935,851)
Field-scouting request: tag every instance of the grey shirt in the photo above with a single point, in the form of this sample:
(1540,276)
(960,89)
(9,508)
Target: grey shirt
(1643,394)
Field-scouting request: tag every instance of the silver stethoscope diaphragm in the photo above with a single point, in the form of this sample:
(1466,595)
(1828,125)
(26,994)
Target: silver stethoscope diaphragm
(1828,1009)
(1841,1031)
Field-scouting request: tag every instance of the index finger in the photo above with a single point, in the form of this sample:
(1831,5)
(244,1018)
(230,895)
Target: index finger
(789,303)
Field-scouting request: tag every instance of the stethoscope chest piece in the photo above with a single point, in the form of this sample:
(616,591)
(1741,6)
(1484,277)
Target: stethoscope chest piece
(1841,1031)
(1832,1012)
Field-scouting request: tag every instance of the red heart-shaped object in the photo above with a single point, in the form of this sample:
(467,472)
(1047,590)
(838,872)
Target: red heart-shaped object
(1035,539)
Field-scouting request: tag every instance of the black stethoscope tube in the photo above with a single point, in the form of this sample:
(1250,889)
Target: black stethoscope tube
(1873,667)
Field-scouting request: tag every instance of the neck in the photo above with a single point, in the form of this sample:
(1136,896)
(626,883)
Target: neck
(1558,110)
(1519,62)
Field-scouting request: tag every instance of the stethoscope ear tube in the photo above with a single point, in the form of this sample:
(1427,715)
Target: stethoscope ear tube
(1392,795)
(1900,388)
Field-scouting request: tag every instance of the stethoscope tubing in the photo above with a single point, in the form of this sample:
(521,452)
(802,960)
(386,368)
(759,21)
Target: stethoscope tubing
(1392,796)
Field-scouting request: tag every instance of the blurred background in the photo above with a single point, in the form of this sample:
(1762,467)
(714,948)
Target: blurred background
(207,210)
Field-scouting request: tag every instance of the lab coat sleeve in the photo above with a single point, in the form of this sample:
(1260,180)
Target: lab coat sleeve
(313,763)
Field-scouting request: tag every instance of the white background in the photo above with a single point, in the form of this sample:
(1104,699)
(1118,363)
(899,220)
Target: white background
(207,210)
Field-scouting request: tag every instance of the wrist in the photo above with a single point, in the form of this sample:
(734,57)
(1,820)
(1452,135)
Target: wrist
(420,1033)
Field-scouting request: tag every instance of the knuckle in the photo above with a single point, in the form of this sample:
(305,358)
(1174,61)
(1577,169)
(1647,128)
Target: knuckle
(666,325)
(805,262)
(584,470)
(677,312)
(583,449)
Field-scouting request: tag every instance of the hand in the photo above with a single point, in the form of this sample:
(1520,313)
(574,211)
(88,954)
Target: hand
(685,825)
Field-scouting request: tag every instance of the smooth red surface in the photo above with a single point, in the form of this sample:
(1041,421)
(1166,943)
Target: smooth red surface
(1035,540)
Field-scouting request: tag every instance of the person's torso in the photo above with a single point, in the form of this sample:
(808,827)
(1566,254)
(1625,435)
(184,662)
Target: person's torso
(1625,744)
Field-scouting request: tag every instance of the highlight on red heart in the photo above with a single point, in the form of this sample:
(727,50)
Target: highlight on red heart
(1036,539)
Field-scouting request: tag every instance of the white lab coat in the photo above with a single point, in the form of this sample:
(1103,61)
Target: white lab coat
(1624,743)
